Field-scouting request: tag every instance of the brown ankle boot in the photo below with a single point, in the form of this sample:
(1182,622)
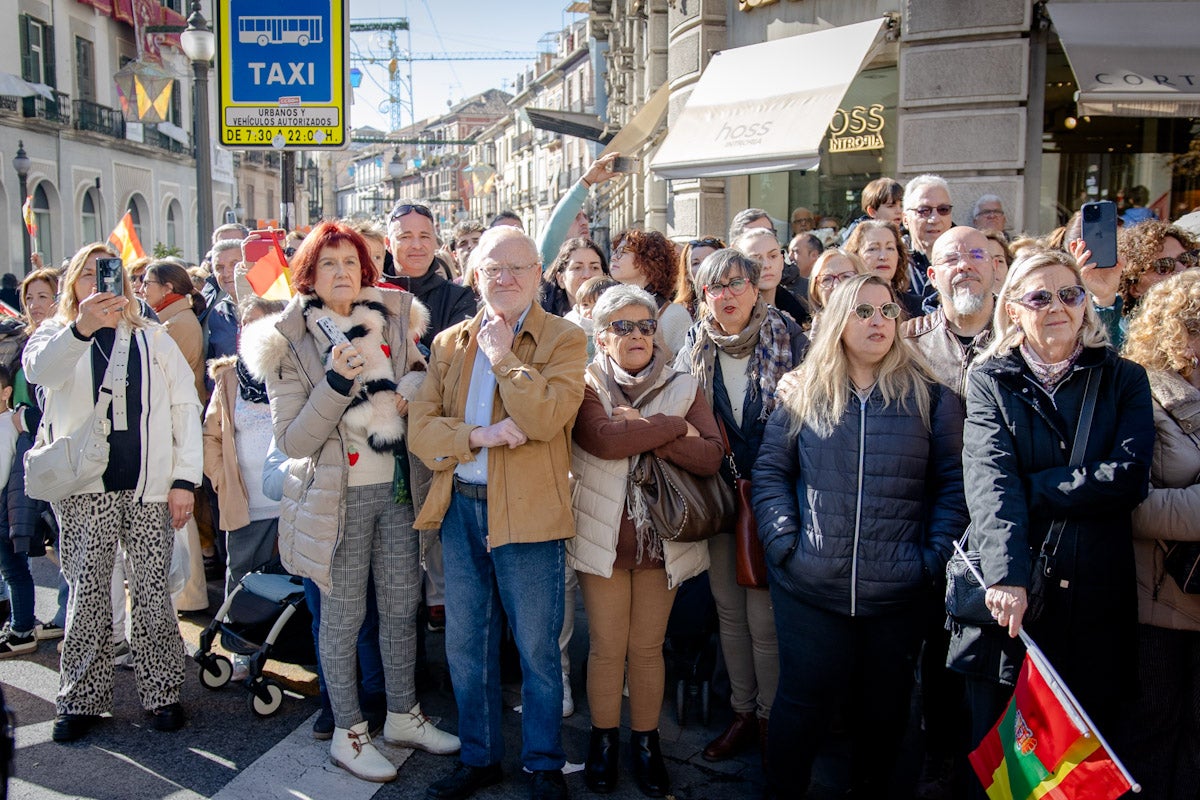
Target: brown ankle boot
(741,732)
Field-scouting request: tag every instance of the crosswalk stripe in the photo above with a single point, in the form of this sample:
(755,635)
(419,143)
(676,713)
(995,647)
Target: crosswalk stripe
(298,768)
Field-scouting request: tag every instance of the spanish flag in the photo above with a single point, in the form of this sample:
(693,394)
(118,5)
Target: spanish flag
(125,240)
(270,277)
(27,215)
(1043,748)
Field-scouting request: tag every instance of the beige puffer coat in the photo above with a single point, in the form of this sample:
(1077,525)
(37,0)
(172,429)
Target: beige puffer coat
(1172,509)
(307,415)
(599,485)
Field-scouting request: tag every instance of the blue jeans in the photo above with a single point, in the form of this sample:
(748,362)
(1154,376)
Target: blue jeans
(14,567)
(64,591)
(370,662)
(526,580)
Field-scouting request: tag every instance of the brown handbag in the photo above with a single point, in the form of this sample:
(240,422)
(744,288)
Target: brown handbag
(750,558)
(683,507)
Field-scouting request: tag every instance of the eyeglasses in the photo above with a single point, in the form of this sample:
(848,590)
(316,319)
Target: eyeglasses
(711,241)
(624,327)
(1040,299)
(736,287)
(148,282)
(990,212)
(865,311)
(404,209)
(1167,266)
(972,256)
(926,212)
(137,280)
(494,271)
(827,282)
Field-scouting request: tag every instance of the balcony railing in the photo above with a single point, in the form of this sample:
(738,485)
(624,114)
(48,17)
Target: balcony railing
(91,116)
(523,140)
(10,105)
(56,110)
(156,138)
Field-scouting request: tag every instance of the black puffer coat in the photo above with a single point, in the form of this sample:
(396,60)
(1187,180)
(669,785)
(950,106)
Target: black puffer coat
(862,521)
(1017,445)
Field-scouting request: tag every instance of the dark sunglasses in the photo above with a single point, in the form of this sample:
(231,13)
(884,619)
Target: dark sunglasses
(711,241)
(624,327)
(1071,296)
(925,212)
(1167,266)
(865,311)
(404,209)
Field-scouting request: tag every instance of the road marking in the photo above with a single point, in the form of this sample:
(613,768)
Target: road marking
(298,768)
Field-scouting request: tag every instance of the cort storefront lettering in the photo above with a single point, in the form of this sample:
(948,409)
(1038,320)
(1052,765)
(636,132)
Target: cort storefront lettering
(1134,79)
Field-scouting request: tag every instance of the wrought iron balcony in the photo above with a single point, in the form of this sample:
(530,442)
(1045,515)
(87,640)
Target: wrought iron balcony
(56,110)
(91,116)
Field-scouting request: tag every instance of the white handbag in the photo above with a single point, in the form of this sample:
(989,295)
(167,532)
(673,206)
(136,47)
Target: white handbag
(58,467)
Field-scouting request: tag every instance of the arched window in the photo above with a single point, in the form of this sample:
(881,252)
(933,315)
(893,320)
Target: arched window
(89,215)
(172,218)
(41,216)
(135,215)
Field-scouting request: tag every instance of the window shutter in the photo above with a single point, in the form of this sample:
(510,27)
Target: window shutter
(48,60)
(26,55)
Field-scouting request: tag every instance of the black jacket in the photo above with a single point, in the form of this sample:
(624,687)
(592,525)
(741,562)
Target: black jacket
(448,303)
(1017,444)
(861,521)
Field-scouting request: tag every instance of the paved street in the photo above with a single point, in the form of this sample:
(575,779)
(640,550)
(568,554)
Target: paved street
(225,752)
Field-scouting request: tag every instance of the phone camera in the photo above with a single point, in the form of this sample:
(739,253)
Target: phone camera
(1091,213)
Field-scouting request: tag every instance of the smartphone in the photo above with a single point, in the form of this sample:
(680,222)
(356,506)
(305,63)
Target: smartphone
(1100,232)
(624,164)
(108,276)
(261,242)
(330,329)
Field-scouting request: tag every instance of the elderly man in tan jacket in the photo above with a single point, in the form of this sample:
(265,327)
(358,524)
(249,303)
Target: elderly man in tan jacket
(493,421)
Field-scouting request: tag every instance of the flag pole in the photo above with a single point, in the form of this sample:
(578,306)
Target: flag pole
(1057,683)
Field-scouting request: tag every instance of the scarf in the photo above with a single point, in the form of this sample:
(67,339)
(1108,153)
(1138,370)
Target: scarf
(251,389)
(624,388)
(166,301)
(1049,375)
(765,338)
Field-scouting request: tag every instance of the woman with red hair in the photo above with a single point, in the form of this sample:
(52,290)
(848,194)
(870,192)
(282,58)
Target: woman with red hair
(340,363)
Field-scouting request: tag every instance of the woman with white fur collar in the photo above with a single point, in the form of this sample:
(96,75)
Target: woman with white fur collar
(338,410)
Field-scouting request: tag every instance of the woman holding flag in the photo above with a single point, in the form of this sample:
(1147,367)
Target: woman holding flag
(1047,364)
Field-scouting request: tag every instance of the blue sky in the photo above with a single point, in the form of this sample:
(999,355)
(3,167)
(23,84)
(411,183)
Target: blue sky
(453,26)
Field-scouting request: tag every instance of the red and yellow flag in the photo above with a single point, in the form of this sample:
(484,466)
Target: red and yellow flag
(270,277)
(27,215)
(1040,748)
(125,240)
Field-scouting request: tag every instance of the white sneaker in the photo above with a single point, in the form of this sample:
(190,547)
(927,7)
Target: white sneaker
(417,731)
(351,749)
(122,655)
(568,700)
(241,669)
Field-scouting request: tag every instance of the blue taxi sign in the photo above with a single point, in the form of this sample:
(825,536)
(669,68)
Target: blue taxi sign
(282,73)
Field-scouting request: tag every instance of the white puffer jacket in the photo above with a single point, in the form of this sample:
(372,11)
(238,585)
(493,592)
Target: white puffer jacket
(599,486)
(57,361)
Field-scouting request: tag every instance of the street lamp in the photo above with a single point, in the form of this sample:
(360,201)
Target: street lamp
(200,46)
(396,172)
(22,163)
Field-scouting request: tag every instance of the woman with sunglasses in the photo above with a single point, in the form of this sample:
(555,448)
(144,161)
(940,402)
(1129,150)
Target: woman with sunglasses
(690,257)
(634,403)
(739,351)
(1152,252)
(858,493)
(1025,398)
(1164,337)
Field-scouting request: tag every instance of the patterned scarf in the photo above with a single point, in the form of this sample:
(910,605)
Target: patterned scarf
(252,390)
(626,388)
(765,338)
(1049,375)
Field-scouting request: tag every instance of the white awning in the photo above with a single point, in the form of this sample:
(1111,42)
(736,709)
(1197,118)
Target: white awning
(765,107)
(1132,59)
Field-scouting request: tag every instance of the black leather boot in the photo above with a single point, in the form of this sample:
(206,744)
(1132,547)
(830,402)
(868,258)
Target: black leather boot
(600,772)
(648,768)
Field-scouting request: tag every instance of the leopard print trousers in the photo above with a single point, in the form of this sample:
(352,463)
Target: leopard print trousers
(92,524)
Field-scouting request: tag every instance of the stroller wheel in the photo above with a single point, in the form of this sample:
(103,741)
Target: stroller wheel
(267,707)
(215,672)
(681,702)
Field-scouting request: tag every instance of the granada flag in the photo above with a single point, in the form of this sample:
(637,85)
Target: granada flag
(1041,748)
(125,239)
(270,277)
(27,215)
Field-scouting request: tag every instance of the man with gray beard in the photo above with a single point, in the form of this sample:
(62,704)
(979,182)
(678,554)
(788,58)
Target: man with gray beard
(963,273)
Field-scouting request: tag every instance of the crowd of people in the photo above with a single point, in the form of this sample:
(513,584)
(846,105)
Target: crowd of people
(443,429)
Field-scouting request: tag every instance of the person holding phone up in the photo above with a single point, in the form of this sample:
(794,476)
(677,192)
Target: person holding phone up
(143,495)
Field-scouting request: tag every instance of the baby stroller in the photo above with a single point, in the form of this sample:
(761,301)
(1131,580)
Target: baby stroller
(264,617)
